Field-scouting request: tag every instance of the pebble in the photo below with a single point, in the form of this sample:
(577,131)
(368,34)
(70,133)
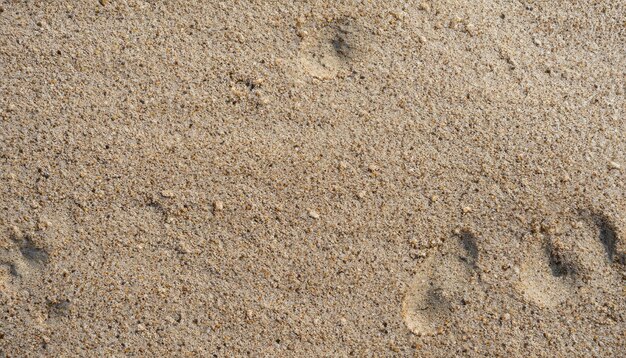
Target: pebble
(424,7)
(471,29)
(44,224)
(263,100)
(168,193)
(314,214)
(615,165)
(183,248)
(16,231)
(218,205)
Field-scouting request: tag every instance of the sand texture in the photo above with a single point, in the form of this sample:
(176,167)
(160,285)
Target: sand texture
(430,178)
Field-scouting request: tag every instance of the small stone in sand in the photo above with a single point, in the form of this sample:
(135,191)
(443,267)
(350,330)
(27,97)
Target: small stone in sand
(615,165)
(467,209)
(168,193)
(218,205)
(44,224)
(424,7)
(314,214)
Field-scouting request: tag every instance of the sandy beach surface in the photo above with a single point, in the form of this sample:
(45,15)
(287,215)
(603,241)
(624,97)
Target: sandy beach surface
(430,178)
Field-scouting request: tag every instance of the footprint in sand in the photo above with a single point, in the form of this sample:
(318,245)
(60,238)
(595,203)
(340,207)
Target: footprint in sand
(327,50)
(442,285)
(573,265)
(549,275)
(22,260)
(560,267)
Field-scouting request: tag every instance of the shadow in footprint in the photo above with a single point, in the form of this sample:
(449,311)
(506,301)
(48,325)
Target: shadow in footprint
(24,259)
(471,249)
(32,253)
(608,238)
(11,267)
(559,266)
(340,43)
(58,309)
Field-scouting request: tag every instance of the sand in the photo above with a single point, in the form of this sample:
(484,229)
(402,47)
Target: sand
(312,178)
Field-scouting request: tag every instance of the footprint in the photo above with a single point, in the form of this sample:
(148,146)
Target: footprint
(557,267)
(548,276)
(327,50)
(441,285)
(23,259)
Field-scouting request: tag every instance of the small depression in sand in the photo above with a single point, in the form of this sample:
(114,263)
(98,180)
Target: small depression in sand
(441,283)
